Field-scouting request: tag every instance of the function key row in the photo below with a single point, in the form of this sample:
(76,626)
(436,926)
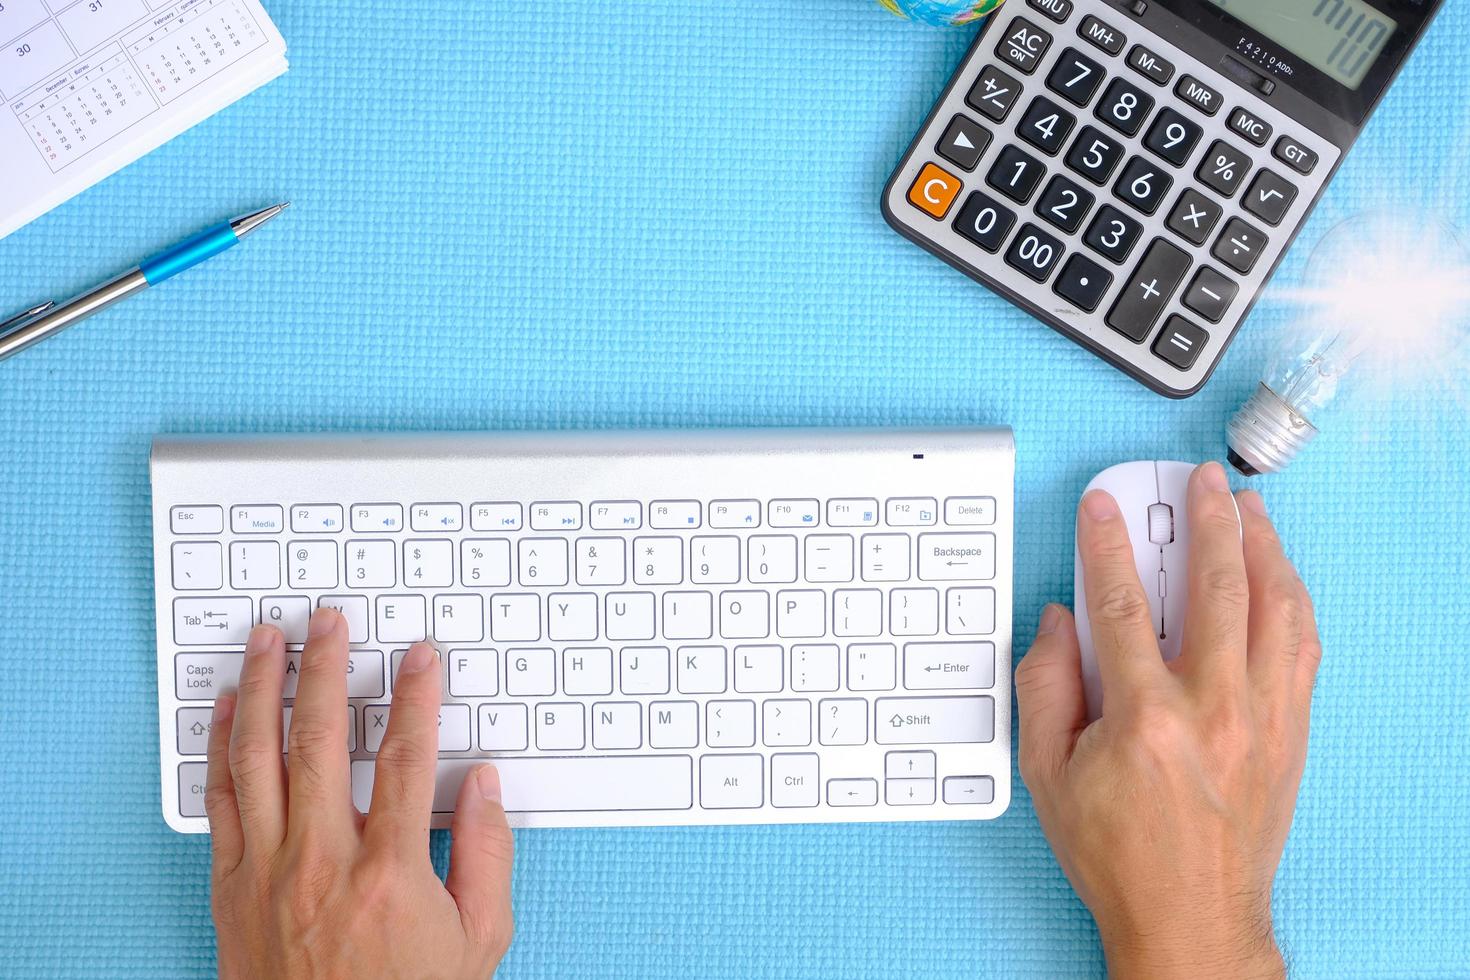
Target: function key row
(604,515)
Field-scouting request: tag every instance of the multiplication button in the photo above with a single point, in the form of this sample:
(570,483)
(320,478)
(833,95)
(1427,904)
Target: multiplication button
(1194,217)
(993,93)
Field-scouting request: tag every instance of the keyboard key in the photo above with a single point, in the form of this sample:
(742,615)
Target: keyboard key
(515,617)
(543,561)
(1143,185)
(1199,95)
(629,616)
(615,515)
(316,519)
(814,667)
(1046,125)
(852,792)
(1148,290)
(842,721)
(700,670)
(985,221)
(192,779)
(1150,65)
(572,784)
(484,562)
(1057,10)
(205,676)
(644,670)
(1295,155)
(934,721)
(964,142)
(1269,197)
(1210,294)
(1173,136)
(969,790)
(1064,204)
(1223,169)
(857,612)
(994,93)
(688,616)
(969,612)
(1094,155)
(908,765)
(257,519)
(885,557)
(1034,253)
(1180,342)
(912,511)
(794,513)
(934,190)
(949,557)
(829,558)
(772,558)
(215,621)
(731,782)
(192,727)
(1023,44)
(289,614)
(377,518)
(492,517)
(197,519)
(932,666)
(1101,34)
(908,792)
(1194,217)
(714,560)
(913,612)
(401,619)
(572,616)
(1075,77)
(1112,234)
(1240,246)
(436,517)
(872,666)
(197,565)
(673,724)
(729,724)
(617,725)
(556,515)
(852,512)
(1016,174)
(427,563)
(658,561)
(664,515)
(354,609)
(473,673)
(795,779)
(969,510)
(735,513)
(1083,283)
(503,728)
(560,726)
(758,669)
(372,564)
(745,615)
(1249,126)
(1124,106)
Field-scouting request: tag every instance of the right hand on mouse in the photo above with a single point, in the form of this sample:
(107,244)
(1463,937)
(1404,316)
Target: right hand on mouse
(1170,812)
(305,886)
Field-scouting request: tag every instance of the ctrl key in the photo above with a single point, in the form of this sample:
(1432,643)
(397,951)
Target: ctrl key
(191,788)
(969,789)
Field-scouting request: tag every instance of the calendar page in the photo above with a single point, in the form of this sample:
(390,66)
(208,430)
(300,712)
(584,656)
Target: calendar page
(88,86)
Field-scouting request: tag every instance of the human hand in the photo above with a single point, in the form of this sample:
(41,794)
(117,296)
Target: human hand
(305,886)
(1170,812)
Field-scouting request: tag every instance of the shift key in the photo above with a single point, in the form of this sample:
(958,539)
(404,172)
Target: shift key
(933,721)
(1149,290)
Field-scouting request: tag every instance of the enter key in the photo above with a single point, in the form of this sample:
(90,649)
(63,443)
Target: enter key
(939,666)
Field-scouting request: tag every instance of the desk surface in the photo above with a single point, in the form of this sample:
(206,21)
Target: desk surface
(614,217)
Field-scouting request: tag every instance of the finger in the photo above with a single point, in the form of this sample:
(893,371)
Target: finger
(226,839)
(256,767)
(1049,693)
(480,861)
(316,757)
(1215,625)
(1123,636)
(1276,613)
(403,779)
(1308,660)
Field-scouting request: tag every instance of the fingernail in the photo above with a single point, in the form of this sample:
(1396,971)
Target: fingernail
(1253,502)
(323,621)
(260,640)
(487,780)
(224,709)
(1100,505)
(420,656)
(1212,475)
(1051,618)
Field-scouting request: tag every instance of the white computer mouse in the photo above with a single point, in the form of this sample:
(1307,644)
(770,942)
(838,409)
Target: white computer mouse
(1151,496)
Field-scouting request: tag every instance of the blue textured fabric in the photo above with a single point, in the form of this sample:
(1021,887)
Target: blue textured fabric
(521,215)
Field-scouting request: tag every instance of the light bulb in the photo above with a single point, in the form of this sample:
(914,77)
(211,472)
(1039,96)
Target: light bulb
(1387,293)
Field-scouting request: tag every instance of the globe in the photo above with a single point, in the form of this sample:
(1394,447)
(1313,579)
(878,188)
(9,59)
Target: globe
(943,13)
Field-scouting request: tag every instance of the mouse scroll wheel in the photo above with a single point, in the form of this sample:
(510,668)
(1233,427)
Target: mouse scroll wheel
(1160,524)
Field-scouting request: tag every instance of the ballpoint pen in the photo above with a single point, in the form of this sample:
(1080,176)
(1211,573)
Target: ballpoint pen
(46,319)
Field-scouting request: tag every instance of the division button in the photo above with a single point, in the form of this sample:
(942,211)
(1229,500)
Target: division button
(964,142)
(1240,246)
(1180,343)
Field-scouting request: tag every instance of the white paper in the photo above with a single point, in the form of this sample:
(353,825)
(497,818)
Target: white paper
(89,86)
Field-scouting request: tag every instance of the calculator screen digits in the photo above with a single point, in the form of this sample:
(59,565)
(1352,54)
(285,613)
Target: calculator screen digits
(1341,38)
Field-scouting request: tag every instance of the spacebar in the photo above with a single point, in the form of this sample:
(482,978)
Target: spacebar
(562,783)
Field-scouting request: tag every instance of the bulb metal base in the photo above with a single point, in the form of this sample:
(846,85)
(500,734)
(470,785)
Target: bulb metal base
(1266,434)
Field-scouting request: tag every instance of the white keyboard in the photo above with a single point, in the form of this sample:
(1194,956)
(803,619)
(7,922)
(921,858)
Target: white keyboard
(640,629)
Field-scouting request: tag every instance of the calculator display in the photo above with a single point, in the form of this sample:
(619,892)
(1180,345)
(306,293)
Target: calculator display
(1342,38)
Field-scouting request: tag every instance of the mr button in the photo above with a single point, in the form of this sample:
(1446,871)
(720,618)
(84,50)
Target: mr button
(934,191)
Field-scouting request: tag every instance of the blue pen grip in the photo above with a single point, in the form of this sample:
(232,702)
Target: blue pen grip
(187,253)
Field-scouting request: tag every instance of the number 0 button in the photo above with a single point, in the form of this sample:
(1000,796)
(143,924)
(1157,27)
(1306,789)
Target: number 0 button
(985,221)
(1034,253)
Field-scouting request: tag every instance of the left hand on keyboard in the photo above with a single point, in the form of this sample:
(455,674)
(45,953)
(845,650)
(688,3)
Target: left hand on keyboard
(303,885)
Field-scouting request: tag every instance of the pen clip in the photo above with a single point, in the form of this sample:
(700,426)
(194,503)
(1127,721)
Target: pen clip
(21,317)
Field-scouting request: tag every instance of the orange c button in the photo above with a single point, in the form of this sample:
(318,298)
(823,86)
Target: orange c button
(934,191)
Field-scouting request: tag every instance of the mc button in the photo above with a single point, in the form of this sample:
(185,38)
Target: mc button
(934,191)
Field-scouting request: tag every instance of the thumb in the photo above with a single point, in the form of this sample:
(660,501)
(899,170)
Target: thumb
(480,861)
(1049,694)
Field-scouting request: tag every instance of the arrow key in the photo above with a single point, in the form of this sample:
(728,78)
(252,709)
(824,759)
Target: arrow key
(908,765)
(969,789)
(852,792)
(908,792)
(964,142)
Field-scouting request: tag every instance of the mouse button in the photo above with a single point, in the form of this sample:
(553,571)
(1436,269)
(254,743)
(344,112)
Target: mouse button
(1160,524)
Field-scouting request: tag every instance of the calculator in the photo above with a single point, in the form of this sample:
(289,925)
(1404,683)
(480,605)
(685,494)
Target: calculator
(1132,171)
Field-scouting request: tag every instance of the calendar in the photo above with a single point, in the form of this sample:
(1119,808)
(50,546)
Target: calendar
(88,86)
